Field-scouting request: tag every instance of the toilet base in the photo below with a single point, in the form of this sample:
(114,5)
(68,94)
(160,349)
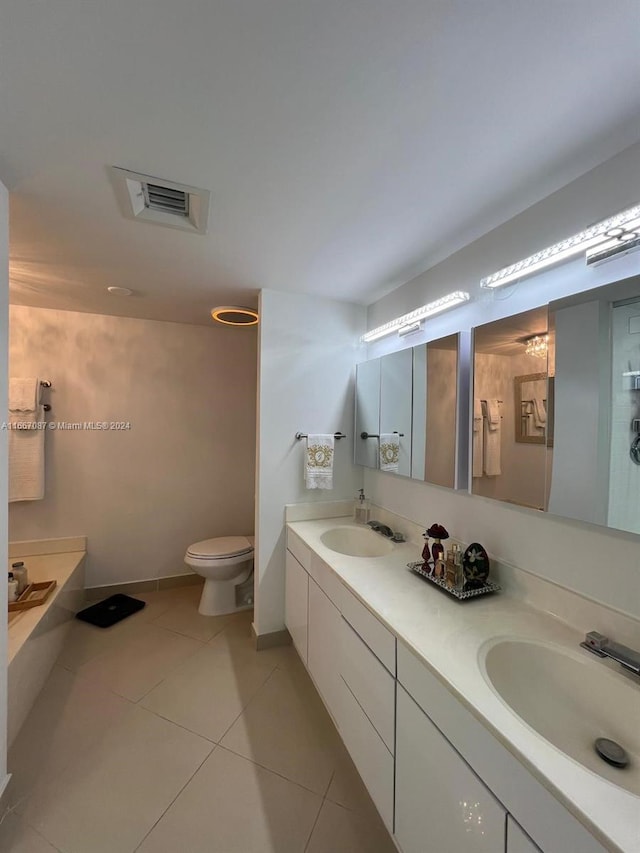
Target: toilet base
(219,597)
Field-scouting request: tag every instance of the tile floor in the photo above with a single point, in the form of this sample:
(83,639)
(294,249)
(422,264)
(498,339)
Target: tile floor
(169,733)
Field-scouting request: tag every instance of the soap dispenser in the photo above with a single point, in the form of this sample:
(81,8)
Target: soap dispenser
(362,508)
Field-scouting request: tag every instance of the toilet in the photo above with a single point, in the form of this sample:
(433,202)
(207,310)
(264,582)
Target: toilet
(224,563)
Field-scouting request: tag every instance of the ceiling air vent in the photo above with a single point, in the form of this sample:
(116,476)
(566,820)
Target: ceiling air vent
(162,202)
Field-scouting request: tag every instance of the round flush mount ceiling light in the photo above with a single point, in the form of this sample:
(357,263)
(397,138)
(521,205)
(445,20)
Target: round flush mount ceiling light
(234,315)
(119,291)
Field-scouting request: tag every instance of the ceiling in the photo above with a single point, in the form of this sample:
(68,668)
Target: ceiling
(347,144)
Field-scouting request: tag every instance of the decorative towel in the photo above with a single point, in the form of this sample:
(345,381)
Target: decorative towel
(492,436)
(389,451)
(539,412)
(318,469)
(478,439)
(24,394)
(26,455)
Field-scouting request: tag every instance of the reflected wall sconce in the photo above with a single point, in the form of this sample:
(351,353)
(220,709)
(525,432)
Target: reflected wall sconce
(411,322)
(616,235)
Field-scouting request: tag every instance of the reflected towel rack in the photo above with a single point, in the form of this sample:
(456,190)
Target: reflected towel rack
(45,383)
(371,435)
(336,435)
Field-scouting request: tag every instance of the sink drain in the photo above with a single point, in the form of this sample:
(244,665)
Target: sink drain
(611,752)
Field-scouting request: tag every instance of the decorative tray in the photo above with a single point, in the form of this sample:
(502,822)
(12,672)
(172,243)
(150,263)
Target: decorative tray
(34,595)
(460,594)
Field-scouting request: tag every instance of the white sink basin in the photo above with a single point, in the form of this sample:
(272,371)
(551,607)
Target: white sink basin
(356,542)
(570,699)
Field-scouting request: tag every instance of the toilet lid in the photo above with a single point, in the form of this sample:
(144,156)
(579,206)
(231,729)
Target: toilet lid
(222,546)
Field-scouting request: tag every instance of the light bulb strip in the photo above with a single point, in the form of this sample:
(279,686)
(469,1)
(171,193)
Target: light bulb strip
(436,307)
(628,222)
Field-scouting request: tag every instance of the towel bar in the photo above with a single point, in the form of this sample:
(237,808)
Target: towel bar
(371,435)
(336,435)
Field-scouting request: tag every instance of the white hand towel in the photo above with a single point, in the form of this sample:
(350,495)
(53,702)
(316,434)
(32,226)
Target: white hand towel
(493,413)
(389,451)
(26,455)
(478,439)
(318,467)
(539,412)
(492,437)
(24,394)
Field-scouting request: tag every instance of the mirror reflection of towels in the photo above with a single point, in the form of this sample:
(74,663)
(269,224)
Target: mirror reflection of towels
(478,439)
(389,451)
(539,412)
(492,438)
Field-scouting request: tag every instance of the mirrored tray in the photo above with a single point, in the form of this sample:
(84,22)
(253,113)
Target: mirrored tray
(460,594)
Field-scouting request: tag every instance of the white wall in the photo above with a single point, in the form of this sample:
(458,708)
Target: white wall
(4,345)
(601,564)
(308,349)
(185,469)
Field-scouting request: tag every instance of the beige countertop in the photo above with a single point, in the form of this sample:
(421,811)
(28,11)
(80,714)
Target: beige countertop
(40,567)
(448,636)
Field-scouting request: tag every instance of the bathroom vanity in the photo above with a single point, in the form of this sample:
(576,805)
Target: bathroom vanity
(406,675)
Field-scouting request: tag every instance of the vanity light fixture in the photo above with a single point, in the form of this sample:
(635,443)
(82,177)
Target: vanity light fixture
(538,346)
(407,322)
(235,315)
(619,231)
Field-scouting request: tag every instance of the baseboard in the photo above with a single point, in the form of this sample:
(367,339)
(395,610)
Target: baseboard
(271,640)
(97,592)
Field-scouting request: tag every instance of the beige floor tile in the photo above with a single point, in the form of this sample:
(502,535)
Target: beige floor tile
(183,618)
(17,837)
(233,806)
(208,691)
(347,788)
(339,830)
(108,800)
(70,715)
(236,642)
(286,729)
(134,668)
(85,642)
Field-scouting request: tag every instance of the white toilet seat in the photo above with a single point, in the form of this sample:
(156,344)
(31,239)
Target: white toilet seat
(221,548)
(216,560)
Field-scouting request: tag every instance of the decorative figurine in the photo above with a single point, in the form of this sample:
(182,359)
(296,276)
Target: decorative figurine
(438,533)
(426,553)
(475,566)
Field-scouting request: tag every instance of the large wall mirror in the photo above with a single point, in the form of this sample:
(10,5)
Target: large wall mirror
(511,447)
(406,412)
(596,457)
(556,420)
(435,405)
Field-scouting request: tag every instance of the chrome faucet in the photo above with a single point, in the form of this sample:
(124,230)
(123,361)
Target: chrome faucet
(384,530)
(603,647)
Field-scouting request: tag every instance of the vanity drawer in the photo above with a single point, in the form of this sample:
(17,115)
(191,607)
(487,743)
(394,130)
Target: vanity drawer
(371,757)
(326,579)
(300,551)
(380,640)
(370,683)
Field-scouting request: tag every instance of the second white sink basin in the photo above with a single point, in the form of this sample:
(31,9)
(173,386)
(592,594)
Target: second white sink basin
(356,542)
(570,700)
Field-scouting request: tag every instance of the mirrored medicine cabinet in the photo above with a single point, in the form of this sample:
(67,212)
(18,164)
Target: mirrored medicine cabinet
(556,407)
(406,412)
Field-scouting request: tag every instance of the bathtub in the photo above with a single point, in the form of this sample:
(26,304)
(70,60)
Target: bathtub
(36,636)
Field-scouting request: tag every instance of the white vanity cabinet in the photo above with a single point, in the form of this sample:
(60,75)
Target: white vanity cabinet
(517,840)
(296,604)
(441,805)
(324,648)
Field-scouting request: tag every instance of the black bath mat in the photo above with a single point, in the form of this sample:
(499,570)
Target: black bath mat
(111,610)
